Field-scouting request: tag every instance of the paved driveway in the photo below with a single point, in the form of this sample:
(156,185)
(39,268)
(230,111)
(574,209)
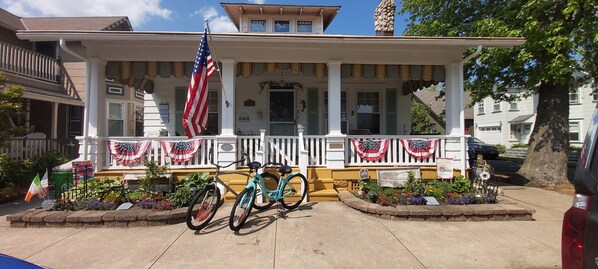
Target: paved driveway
(322,235)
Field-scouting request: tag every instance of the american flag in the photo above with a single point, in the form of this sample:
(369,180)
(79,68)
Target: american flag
(195,117)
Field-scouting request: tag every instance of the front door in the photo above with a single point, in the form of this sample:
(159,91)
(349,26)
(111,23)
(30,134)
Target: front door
(282,112)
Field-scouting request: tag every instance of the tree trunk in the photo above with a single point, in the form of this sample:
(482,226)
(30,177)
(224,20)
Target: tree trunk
(546,160)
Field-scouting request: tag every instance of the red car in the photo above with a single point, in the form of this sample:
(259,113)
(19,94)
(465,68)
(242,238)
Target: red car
(579,246)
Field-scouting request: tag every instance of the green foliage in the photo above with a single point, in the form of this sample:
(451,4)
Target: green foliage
(519,145)
(97,189)
(15,172)
(10,105)
(153,173)
(438,189)
(414,185)
(420,119)
(183,194)
(501,148)
(461,185)
(561,39)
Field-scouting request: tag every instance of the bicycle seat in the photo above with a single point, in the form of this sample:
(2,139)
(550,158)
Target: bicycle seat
(255,165)
(285,170)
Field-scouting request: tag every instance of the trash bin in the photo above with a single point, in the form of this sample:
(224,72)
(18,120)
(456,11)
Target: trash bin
(63,180)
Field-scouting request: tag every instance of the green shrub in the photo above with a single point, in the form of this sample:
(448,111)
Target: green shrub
(438,189)
(153,173)
(460,185)
(414,185)
(519,145)
(15,172)
(501,148)
(182,196)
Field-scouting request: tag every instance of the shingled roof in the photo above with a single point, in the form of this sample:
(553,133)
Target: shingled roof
(118,23)
(112,23)
(437,105)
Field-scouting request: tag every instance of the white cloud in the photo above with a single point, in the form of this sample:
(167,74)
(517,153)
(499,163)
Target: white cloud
(257,1)
(218,23)
(138,11)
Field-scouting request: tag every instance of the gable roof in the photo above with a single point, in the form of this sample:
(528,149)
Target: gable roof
(437,105)
(10,21)
(120,23)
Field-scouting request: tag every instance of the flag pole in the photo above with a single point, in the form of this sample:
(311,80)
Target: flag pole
(207,25)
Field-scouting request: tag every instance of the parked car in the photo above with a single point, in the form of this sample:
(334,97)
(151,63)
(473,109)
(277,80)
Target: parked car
(579,245)
(478,147)
(12,262)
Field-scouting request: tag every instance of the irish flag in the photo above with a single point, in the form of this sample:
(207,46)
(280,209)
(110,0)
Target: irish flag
(37,187)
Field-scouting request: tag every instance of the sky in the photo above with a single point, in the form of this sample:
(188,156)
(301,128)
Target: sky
(355,16)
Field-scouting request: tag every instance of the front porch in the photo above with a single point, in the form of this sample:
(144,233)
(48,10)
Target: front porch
(329,164)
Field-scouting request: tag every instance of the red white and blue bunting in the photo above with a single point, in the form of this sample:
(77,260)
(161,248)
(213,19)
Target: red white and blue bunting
(128,152)
(420,149)
(181,151)
(371,150)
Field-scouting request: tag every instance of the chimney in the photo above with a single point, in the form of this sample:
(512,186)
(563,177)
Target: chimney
(384,18)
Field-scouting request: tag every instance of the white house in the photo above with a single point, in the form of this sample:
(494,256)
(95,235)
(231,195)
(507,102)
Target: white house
(286,91)
(512,123)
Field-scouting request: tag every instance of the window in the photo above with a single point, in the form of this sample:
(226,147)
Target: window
(368,111)
(282,26)
(304,27)
(343,111)
(574,130)
(213,105)
(75,126)
(481,108)
(595,97)
(514,131)
(513,106)
(116,120)
(258,25)
(574,97)
(496,105)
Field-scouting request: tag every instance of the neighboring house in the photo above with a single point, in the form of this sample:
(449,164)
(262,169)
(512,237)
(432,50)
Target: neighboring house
(512,123)
(54,81)
(437,107)
(286,92)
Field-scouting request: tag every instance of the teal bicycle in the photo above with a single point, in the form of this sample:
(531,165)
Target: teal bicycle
(290,191)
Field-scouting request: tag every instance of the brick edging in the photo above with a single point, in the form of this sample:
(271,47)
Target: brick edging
(505,210)
(38,217)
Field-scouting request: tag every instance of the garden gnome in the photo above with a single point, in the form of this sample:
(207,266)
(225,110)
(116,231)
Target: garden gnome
(384,18)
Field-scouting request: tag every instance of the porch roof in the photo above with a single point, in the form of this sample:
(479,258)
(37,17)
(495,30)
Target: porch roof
(252,47)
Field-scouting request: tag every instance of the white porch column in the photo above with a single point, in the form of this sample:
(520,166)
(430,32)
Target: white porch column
(335,140)
(96,114)
(455,115)
(227,140)
(54,134)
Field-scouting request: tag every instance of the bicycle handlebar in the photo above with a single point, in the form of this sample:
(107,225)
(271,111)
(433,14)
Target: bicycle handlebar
(211,153)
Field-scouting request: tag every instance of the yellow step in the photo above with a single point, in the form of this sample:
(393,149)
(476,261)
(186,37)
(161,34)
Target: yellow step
(321,184)
(323,195)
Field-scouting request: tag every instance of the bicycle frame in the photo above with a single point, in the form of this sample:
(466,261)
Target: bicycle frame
(267,194)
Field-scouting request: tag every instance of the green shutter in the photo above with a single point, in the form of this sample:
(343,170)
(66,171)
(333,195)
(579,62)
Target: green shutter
(391,111)
(180,97)
(313,111)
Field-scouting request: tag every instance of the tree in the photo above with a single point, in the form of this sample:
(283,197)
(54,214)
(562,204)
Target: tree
(420,119)
(10,105)
(560,39)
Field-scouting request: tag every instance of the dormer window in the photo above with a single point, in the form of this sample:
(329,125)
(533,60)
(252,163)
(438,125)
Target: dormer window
(304,27)
(258,25)
(282,26)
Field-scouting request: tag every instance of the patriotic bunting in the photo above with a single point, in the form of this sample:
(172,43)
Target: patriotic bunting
(181,151)
(371,150)
(420,149)
(128,152)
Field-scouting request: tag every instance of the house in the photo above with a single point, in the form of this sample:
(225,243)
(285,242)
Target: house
(508,124)
(431,98)
(286,92)
(54,97)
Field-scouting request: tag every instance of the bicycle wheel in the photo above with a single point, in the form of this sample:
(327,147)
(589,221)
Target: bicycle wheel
(271,183)
(203,207)
(241,208)
(294,191)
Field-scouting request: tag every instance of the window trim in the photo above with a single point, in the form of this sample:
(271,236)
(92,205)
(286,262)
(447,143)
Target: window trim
(124,115)
(289,21)
(577,100)
(494,107)
(300,21)
(251,24)
(579,127)
(481,108)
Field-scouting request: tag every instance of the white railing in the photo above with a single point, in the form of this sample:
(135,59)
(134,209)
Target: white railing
(396,153)
(287,150)
(22,149)
(316,149)
(200,160)
(28,63)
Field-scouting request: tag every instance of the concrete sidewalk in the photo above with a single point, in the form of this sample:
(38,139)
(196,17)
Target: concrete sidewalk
(322,235)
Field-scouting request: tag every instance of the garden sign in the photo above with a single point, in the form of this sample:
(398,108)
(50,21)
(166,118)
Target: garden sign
(395,178)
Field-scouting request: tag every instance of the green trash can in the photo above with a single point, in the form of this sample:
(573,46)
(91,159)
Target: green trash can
(63,181)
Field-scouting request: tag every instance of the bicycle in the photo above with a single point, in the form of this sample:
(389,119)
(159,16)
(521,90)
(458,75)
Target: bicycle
(287,188)
(206,201)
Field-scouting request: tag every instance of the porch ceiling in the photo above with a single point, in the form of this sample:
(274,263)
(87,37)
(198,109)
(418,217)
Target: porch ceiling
(247,47)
